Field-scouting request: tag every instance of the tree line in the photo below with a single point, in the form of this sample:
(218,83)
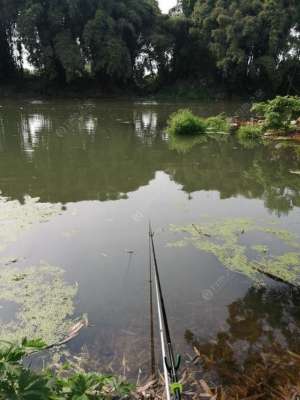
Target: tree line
(240,45)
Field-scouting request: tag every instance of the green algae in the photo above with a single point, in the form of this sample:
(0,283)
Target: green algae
(15,218)
(281,234)
(286,267)
(260,248)
(44,302)
(223,239)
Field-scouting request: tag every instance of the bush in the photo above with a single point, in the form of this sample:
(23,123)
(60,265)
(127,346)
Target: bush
(184,122)
(218,123)
(279,112)
(18,382)
(249,132)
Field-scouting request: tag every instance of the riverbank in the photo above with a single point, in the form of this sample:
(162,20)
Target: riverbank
(211,372)
(34,86)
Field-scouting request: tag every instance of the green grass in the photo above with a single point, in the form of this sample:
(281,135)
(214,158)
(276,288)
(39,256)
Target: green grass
(218,124)
(249,132)
(185,123)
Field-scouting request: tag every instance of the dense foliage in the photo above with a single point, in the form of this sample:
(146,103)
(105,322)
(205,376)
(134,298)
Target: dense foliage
(184,122)
(249,132)
(279,112)
(237,45)
(219,123)
(19,382)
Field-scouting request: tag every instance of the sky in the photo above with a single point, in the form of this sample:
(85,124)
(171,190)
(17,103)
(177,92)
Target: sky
(165,5)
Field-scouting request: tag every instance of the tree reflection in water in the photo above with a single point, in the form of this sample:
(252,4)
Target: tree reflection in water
(259,354)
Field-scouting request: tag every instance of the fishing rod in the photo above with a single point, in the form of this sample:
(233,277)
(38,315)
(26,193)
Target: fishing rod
(171,365)
(152,344)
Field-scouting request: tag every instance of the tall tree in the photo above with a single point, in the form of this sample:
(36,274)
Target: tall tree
(50,38)
(247,38)
(115,36)
(8,14)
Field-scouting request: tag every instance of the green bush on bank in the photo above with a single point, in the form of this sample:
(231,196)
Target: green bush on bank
(249,132)
(184,122)
(19,382)
(279,112)
(218,124)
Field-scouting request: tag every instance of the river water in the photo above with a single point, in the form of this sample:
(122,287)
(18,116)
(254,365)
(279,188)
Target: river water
(112,168)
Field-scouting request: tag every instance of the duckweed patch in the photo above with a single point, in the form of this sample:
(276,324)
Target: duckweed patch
(223,239)
(260,248)
(15,218)
(45,302)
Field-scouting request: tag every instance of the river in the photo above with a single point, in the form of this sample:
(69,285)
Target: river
(111,167)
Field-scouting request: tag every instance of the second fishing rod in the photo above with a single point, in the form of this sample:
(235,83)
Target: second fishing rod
(172,364)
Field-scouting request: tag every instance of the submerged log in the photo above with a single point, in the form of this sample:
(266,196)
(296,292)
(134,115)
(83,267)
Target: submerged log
(275,277)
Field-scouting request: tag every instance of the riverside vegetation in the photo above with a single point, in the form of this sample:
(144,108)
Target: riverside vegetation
(19,382)
(279,117)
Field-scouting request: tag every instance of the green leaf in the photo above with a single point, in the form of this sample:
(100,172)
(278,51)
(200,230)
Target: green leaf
(33,343)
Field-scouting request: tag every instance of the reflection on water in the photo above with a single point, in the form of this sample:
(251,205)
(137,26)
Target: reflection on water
(260,344)
(100,152)
(145,124)
(87,154)
(30,130)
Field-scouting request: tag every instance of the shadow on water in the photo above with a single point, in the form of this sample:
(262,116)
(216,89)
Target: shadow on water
(103,151)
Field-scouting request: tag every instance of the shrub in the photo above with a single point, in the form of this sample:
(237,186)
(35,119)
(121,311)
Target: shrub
(279,112)
(19,382)
(184,122)
(218,123)
(249,132)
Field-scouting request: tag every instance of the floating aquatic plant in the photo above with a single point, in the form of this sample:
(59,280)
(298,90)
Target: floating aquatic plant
(15,218)
(44,302)
(223,239)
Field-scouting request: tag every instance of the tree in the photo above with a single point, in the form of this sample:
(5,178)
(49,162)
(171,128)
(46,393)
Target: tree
(49,36)
(249,40)
(8,62)
(116,35)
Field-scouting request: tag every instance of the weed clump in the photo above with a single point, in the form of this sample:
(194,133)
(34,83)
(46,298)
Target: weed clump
(250,132)
(185,123)
(279,112)
(218,124)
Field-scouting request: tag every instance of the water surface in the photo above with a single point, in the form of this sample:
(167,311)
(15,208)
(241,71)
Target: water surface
(112,167)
